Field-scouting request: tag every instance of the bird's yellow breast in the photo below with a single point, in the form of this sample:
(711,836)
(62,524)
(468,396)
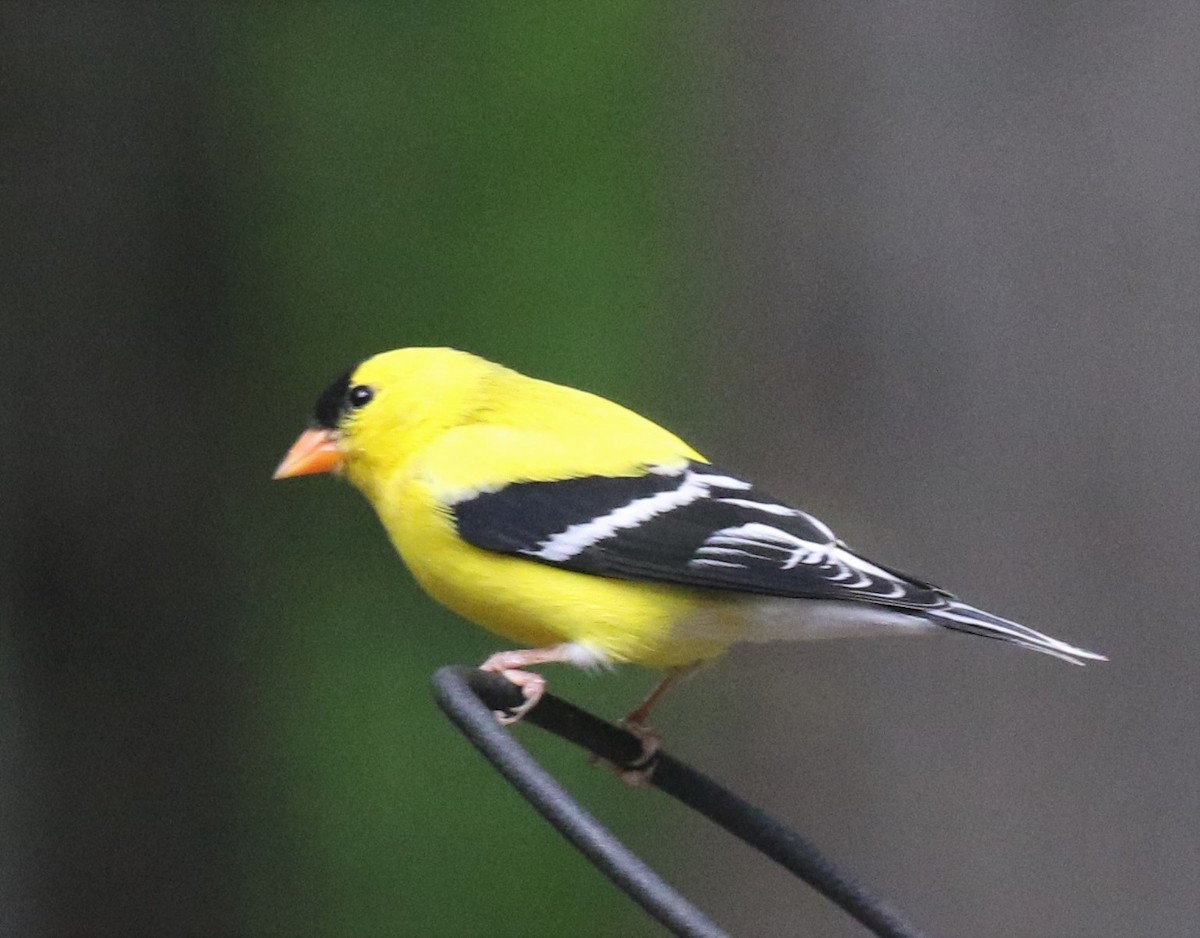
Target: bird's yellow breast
(533,604)
(445,427)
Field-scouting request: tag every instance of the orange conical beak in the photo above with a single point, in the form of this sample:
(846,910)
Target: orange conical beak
(314,451)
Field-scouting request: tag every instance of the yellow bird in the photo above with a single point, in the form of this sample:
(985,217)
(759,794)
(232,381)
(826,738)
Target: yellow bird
(589,535)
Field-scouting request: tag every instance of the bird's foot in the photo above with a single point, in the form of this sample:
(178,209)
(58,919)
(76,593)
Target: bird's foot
(637,773)
(508,665)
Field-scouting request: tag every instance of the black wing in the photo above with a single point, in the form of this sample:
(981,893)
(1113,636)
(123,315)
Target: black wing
(692,525)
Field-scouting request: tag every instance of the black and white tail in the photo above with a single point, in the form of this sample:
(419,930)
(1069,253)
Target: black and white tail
(963,618)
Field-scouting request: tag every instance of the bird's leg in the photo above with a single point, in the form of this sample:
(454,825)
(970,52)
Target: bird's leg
(637,716)
(638,772)
(508,664)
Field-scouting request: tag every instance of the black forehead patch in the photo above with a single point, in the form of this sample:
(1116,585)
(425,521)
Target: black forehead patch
(332,403)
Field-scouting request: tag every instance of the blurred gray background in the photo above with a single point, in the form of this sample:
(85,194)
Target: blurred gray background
(927,270)
(959,270)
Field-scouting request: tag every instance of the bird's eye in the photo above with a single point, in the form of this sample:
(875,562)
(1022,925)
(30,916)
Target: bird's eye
(360,395)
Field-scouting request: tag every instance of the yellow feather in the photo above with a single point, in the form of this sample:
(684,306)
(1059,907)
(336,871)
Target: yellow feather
(444,425)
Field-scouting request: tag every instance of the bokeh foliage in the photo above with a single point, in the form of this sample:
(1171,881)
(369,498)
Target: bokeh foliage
(506,178)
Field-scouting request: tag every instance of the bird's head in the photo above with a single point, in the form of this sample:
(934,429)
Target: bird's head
(369,421)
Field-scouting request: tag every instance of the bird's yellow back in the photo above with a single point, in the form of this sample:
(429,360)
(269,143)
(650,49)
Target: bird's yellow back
(474,424)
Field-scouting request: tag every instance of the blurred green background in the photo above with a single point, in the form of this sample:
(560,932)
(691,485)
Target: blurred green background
(503,178)
(928,272)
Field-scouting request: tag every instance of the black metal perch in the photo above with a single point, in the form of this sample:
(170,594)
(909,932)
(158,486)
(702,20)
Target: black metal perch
(468,696)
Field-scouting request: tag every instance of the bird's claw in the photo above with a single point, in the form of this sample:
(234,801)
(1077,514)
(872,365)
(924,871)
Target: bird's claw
(648,736)
(532,685)
(636,773)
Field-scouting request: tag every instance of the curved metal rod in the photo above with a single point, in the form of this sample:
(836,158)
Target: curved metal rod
(468,696)
(458,694)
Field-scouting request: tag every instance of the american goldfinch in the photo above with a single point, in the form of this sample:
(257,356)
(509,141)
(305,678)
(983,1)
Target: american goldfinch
(589,535)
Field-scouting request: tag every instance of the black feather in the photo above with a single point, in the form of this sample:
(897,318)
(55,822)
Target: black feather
(680,543)
(332,403)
